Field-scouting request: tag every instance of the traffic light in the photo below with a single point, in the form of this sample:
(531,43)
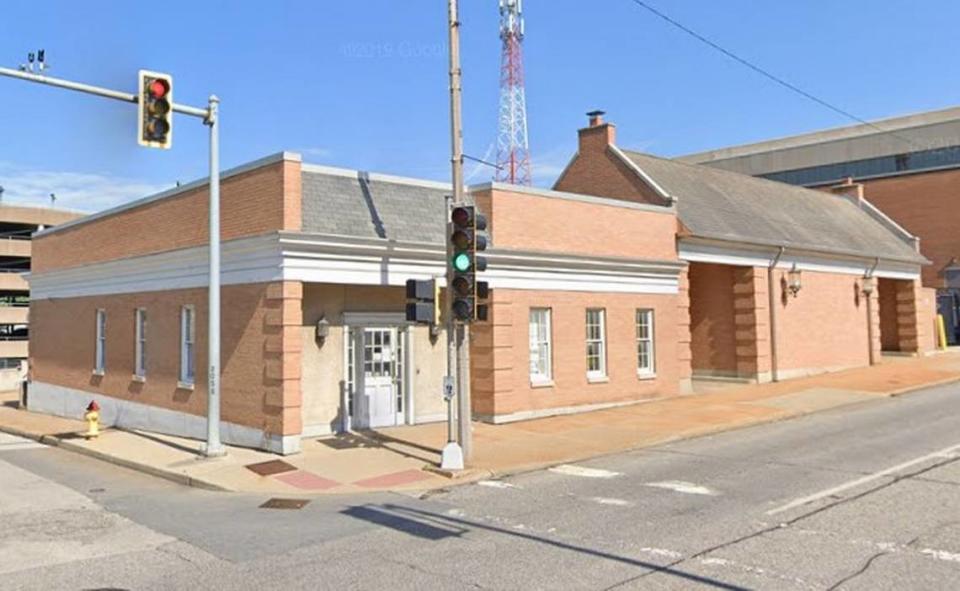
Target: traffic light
(423,301)
(155,110)
(467,240)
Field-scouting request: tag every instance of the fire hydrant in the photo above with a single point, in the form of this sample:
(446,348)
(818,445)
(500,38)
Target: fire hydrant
(92,416)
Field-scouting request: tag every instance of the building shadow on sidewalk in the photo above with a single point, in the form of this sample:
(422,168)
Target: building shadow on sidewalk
(437,526)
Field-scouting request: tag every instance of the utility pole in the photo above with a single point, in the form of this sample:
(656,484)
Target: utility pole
(213,445)
(457,363)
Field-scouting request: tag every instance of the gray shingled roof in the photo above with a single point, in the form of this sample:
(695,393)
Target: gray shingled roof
(714,203)
(373,207)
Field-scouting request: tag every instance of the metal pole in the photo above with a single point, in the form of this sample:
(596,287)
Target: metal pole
(456,160)
(451,341)
(96,90)
(209,115)
(772,303)
(875,290)
(214,447)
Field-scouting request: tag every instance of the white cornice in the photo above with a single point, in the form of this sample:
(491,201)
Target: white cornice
(326,258)
(718,252)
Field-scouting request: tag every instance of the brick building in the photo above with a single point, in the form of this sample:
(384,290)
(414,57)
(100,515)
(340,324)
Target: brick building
(634,276)
(907,166)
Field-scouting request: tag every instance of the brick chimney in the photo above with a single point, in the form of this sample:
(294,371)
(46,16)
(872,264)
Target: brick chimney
(849,189)
(597,135)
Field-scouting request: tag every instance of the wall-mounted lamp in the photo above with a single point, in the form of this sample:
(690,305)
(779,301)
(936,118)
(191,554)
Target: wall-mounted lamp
(793,281)
(869,284)
(323,329)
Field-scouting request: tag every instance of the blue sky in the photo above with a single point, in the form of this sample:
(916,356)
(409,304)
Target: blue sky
(362,84)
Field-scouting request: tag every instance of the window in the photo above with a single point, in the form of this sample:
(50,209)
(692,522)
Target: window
(540,362)
(100,360)
(645,358)
(187,340)
(140,343)
(596,343)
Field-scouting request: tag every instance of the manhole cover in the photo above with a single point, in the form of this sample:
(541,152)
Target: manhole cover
(284,504)
(270,468)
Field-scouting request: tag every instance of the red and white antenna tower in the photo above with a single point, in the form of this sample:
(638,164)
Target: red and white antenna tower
(513,151)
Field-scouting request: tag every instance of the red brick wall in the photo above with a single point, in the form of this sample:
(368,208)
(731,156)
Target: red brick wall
(825,326)
(500,355)
(712,324)
(889,335)
(598,171)
(926,205)
(259,351)
(252,203)
(542,223)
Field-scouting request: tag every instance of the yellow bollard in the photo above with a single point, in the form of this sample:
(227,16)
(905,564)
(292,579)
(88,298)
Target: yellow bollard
(92,416)
(941,333)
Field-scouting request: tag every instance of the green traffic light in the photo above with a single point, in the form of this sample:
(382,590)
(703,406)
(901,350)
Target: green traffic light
(461,261)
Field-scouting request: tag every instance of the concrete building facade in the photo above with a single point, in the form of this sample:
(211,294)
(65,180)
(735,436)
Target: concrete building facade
(909,167)
(611,289)
(17,225)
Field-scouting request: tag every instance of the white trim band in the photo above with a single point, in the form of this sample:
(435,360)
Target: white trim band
(702,252)
(322,258)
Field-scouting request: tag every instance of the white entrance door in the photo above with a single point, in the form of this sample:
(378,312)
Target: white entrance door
(379,398)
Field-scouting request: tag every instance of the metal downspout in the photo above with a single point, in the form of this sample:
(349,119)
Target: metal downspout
(771,295)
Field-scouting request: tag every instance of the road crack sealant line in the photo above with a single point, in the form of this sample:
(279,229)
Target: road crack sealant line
(860,571)
(788,523)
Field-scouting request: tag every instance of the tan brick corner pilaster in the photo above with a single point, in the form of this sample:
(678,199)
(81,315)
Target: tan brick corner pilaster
(910,325)
(684,334)
(492,359)
(876,342)
(752,323)
(282,351)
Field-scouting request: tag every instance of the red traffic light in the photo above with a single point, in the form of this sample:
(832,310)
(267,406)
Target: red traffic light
(158,88)
(461,216)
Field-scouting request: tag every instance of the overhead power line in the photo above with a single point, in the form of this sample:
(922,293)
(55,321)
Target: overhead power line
(765,73)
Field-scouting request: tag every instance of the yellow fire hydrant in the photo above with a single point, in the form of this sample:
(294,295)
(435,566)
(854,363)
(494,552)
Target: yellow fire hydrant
(92,416)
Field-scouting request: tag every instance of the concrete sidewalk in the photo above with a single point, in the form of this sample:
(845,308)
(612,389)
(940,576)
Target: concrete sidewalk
(404,458)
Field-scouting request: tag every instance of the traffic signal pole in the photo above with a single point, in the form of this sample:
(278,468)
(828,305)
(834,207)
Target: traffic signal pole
(457,331)
(213,446)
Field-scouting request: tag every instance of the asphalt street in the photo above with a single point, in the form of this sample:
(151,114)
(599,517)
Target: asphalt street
(862,497)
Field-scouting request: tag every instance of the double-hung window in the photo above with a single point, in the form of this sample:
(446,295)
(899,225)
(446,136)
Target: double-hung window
(541,370)
(645,355)
(140,343)
(187,339)
(596,343)
(100,357)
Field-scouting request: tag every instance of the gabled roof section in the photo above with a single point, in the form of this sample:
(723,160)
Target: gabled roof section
(723,205)
(357,203)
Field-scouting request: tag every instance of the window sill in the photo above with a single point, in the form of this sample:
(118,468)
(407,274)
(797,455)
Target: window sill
(541,384)
(98,372)
(139,379)
(598,379)
(184,386)
(643,376)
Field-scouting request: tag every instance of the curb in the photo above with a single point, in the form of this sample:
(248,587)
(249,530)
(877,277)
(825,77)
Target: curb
(497,474)
(170,475)
(456,478)
(914,388)
(177,477)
